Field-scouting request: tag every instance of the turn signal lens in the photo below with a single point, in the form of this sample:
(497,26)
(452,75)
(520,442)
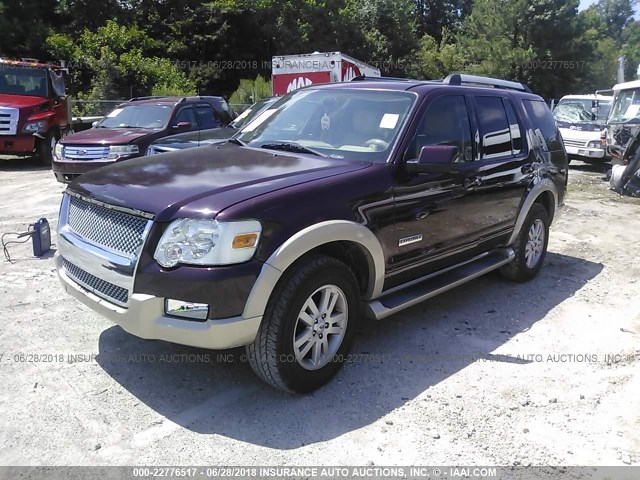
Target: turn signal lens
(246,240)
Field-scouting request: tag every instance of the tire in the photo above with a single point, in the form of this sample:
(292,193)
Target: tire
(46,148)
(289,315)
(528,263)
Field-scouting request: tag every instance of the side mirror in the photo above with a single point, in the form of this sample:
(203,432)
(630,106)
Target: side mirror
(182,125)
(435,159)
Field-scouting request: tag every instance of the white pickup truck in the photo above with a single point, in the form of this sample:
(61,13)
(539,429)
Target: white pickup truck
(581,120)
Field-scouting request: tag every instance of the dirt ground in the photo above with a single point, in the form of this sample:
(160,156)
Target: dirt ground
(491,373)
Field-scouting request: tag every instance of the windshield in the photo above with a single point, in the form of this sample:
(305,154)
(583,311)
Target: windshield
(345,123)
(251,112)
(626,107)
(138,116)
(602,112)
(572,113)
(23,81)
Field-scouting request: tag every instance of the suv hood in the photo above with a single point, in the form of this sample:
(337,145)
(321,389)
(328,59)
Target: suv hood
(20,101)
(215,176)
(197,137)
(106,136)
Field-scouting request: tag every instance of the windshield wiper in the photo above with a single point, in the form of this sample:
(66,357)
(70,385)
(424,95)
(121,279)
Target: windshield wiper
(290,147)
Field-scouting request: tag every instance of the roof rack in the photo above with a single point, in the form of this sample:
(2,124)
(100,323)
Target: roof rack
(462,79)
(361,78)
(151,97)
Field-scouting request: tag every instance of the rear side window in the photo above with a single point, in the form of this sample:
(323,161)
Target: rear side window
(514,128)
(186,115)
(494,128)
(543,120)
(207,117)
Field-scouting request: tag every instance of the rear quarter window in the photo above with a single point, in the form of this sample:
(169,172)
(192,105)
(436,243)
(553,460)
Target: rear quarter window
(543,120)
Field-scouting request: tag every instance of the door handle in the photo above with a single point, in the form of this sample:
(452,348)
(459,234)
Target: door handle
(527,168)
(471,182)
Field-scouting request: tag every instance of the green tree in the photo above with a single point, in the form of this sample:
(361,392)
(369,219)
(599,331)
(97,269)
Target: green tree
(24,25)
(598,51)
(631,49)
(381,32)
(494,40)
(435,17)
(616,14)
(115,63)
(250,91)
(435,60)
(535,41)
(74,16)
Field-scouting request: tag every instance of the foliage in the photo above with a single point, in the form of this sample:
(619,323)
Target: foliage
(116,49)
(616,14)
(116,59)
(631,49)
(435,60)
(250,91)
(381,32)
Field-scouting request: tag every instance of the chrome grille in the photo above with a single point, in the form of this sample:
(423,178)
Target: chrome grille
(117,231)
(80,152)
(8,120)
(575,143)
(94,284)
(155,150)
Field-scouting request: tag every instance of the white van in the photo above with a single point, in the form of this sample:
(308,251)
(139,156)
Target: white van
(581,120)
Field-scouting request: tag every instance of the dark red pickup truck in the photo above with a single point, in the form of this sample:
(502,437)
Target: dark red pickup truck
(338,202)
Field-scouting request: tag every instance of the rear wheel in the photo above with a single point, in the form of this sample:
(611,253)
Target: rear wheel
(530,246)
(308,327)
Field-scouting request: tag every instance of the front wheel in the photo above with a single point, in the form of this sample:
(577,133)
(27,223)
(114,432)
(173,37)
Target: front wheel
(530,246)
(308,327)
(47,147)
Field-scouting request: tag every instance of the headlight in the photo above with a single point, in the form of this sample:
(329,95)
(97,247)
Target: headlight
(594,144)
(59,150)
(32,127)
(207,242)
(117,151)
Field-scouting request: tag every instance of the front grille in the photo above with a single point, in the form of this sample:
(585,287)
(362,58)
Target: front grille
(575,143)
(80,152)
(100,287)
(117,231)
(8,120)
(155,150)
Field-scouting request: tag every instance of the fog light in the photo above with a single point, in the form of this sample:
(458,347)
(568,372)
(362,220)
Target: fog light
(180,308)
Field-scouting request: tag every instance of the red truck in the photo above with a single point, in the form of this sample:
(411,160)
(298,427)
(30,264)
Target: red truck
(290,72)
(34,110)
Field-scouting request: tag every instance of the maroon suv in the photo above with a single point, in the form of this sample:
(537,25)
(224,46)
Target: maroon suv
(131,127)
(341,201)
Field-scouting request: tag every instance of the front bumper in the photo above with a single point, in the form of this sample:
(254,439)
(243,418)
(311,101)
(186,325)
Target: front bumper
(585,152)
(145,318)
(17,144)
(66,171)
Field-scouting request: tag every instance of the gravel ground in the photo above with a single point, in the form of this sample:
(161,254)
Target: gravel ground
(491,373)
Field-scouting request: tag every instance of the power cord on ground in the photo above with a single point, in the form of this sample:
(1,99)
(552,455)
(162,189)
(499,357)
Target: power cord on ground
(29,233)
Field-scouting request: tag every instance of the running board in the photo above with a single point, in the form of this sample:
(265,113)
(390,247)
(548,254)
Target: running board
(431,285)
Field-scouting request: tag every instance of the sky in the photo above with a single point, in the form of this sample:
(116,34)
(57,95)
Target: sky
(586,3)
